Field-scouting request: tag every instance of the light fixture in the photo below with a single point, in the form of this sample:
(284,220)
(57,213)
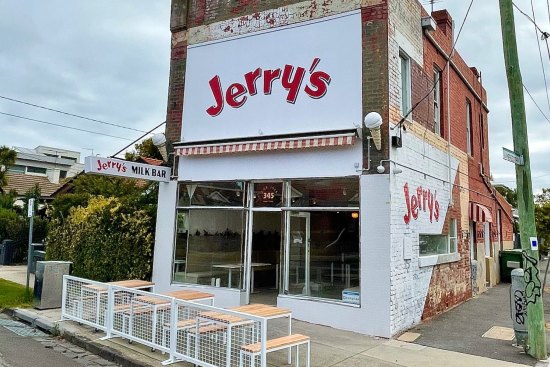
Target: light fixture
(373,121)
(159,140)
(381,169)
(354,215)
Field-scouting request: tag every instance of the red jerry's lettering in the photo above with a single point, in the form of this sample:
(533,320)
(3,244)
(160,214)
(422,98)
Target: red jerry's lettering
(120,167)
(291,80)
(422,201)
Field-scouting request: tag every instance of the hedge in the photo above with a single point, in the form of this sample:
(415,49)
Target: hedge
(107,240)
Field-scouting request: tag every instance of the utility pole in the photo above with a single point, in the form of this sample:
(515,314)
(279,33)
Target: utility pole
(526,207)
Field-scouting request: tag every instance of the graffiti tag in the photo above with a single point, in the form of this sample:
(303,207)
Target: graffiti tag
(520,307)
(532,280)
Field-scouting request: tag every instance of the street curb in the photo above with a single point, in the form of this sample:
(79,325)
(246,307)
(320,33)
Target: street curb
(91,346)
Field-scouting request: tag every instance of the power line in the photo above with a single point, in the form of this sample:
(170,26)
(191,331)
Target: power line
(540,55)
(69,114)
(146,133)
(535,102)
(441,73)
(501,182)
(63,126)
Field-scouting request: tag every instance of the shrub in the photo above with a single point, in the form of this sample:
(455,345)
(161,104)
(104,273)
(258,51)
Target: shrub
(106,240)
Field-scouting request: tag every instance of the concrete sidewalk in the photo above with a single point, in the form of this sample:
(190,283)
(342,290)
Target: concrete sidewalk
(445,341)
(16,274)
(330,347)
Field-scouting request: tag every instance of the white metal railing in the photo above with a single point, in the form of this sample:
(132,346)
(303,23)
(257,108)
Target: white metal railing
(84,301)
(188,331)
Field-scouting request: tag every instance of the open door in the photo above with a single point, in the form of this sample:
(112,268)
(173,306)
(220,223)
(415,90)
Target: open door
(298,254)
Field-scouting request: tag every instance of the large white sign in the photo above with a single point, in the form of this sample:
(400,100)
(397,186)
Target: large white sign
(294,79)
(119,167)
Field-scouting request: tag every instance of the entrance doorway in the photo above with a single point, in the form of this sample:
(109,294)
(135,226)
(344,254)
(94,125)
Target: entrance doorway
(265,257)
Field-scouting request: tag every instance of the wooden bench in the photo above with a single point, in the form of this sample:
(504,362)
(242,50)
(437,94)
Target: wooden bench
(272,345)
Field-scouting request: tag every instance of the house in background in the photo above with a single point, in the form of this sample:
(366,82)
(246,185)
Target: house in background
(44,166)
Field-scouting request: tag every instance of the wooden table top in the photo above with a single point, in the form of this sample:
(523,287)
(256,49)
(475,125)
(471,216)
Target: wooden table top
(189,295)
(221,317)
(132,283)
(258,309)
(184,295)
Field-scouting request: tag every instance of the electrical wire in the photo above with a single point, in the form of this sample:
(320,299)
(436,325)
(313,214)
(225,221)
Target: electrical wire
(400,123)
(501,182)
(540,56)
(535,102)
(63,126)
(528,17)
(69,114)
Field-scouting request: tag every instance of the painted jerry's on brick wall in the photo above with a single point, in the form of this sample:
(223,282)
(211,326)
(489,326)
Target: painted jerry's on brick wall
(280,190)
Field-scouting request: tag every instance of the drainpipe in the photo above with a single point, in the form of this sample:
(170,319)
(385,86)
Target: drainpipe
(451,202)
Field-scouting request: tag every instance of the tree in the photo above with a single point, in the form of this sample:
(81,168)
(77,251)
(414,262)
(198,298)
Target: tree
(7,159)
(542,219)
(509,194)
(144,149)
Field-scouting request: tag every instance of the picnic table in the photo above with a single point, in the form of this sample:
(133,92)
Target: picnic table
(98,292)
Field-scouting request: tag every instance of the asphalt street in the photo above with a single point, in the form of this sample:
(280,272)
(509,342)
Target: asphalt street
(36,349)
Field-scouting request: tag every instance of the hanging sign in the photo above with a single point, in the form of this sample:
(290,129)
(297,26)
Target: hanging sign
(122,168)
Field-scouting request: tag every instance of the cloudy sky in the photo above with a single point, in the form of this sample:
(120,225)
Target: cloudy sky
(109,60)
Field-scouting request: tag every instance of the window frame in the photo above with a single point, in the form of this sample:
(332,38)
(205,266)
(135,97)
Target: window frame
(469,129)
(452,234)
(437,101)
(405,89)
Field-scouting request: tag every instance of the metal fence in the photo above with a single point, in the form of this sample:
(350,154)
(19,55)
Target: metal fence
(187,331)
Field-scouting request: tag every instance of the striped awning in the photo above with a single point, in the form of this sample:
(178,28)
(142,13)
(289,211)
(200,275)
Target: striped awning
(480,213)
(268,145)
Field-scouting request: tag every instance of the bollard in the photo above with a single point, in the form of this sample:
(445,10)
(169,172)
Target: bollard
(518,307)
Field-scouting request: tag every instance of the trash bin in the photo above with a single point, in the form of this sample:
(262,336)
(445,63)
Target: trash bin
(48,283)
(37,254)
(510,260)
(7,248)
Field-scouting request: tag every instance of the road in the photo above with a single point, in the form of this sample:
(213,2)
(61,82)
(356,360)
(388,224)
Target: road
(36,349)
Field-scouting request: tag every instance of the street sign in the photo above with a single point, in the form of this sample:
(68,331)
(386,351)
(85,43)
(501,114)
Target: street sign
(511,156)
(119,167)
(30,209)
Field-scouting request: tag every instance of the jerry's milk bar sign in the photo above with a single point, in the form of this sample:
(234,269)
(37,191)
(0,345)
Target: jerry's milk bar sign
(119,167)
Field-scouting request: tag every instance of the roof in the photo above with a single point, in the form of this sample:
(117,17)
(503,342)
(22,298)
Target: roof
(151,161)
(22,183)
(32,155)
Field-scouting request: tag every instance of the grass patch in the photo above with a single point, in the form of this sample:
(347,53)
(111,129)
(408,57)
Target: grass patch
(14,295)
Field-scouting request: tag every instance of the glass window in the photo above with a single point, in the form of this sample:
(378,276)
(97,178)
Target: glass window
(405,87)
(432,244)
(16,168)
(437,101)
(323,255)
(268,194)
(40,170)
(212,194)
(453,236)
(469,132)
(209,247)
(343,192)
(62,174)
(440,244)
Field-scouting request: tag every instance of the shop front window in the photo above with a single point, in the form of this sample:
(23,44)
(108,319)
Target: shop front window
(209,243)
(323,244)
(222,194)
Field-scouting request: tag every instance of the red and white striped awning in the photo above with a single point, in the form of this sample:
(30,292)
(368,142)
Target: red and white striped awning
(268,145)
(480,213)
